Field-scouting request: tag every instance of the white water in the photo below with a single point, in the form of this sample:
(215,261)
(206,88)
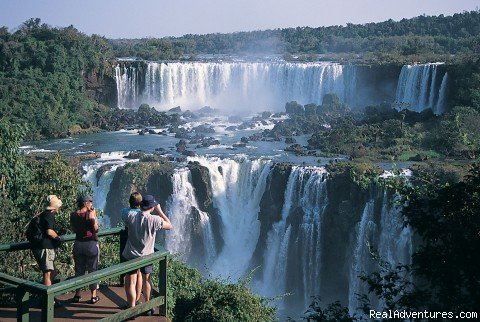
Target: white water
(294,244)
(236,87)
(127,88)
(418,88)
(306,190)
(440,108)
(101,186)
(365,232)
(179,210)
(238,186)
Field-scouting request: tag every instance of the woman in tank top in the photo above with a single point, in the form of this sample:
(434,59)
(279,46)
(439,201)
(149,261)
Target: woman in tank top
(85,250)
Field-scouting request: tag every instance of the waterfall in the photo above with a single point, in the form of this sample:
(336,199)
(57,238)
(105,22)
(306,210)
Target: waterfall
(238,186)
(307,247)
(179,208)
(127,87)
(418,88)
(395,240)
(289,242)
(236,86)
(365,232)
(440,108)
(100,182)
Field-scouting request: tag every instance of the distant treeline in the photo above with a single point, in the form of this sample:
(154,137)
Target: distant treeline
(423,35)
(42,78)
(46,73)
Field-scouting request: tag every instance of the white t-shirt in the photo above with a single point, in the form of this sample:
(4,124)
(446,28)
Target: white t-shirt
(142,229)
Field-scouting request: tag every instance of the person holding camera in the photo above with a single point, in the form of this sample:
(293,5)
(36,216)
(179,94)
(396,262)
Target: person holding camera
(142,228)
(85,250)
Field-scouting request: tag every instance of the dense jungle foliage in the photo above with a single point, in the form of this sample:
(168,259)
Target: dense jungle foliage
(423,36)
(42,83)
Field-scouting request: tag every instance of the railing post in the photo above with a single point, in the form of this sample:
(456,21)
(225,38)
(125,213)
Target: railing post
(48,303)
(123,241)
(22,297)
(162,285)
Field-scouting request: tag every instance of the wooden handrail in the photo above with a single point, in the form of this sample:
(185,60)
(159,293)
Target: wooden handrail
(108,272)
(23,245)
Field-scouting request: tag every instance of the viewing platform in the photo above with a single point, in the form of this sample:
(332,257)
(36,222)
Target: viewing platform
(111,299)
(40,307)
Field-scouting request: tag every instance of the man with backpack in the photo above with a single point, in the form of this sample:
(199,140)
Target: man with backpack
(43,238)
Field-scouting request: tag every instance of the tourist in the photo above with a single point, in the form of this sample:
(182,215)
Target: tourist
(134,209)
(85,250)
(44,251)
(142,228)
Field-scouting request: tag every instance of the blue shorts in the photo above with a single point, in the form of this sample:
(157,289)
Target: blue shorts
(145,270)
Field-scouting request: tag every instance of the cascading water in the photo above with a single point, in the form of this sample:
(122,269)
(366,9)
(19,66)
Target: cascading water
(179,208)
(297,256)
(366,230)
(127,87)
(100,174)
(238,86)
(297,242)
(440,107)
(418,88)
(238,186)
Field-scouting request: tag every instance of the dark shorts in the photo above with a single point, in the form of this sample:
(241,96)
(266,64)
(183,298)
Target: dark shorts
(145,270)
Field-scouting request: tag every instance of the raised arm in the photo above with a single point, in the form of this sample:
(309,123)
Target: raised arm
(93,218)
(166,221)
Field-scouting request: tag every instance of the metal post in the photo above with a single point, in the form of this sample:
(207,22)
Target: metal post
(162,285)
(48,303)
(123,241)
(23,314)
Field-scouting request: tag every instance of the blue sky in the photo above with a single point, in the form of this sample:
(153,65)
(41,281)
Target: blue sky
(160,18)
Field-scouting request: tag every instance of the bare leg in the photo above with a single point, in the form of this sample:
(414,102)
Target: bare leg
(139,286)
(130,288)
(47,278)
(147,287)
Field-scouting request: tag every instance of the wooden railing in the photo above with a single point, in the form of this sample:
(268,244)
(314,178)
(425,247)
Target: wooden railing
(23,288)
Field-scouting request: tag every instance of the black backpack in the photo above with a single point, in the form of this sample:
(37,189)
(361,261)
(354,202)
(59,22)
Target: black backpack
(34,231)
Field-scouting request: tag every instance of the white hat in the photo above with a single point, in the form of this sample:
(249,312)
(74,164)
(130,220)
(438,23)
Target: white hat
(53,202)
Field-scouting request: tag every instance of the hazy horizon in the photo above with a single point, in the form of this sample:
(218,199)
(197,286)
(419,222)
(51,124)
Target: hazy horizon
(150,18)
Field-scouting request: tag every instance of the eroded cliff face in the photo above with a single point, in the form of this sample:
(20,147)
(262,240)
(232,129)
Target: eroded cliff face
(200,176)
(271,206)
(101,87)
(145,177)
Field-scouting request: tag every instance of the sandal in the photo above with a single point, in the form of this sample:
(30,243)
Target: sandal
(75,299)
(94,300)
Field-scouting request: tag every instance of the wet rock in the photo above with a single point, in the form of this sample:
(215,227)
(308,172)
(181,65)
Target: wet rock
(181,146)
(101,171)
(296,148)
(204,129)
(176,109)
(189,153)
(234,119)
(135,155)
(266,114)
(290,140)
